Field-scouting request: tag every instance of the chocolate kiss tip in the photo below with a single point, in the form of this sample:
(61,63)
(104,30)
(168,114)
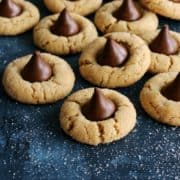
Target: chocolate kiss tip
(114,54)
(9,9)
(164,43)
(172,91)
(65,25)
(99,107)
(36,70)
(128,11)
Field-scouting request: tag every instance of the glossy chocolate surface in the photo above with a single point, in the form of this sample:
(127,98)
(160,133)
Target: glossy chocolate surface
(164,43)
(99,107)
(9,9)
(114,54)
(65,25)
(128,11)
(172,91)
(36,70)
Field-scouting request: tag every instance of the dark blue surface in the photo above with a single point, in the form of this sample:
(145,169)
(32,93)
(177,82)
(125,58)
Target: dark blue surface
(32,146)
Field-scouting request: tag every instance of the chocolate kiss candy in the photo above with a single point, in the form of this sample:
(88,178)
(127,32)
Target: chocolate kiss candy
(114,54)
(65,25)
(172,91)
(99,107)
(128,11)
(36,70)
(164,43)
(9,9)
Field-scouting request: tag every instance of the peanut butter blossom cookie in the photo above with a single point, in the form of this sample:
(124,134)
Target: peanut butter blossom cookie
(165,50)
(17,16)
(66,33)
(38,79)
(82,7)
(125,15)
(160,98)
(116,60)
(167,8)
(95,116)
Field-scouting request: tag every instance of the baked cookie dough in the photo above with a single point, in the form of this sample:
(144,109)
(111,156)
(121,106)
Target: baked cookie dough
(112,77)
(82,7)
(161,62)
(75,124)
(106,22)
(156,104)
(167,8)
(57,87)
(28,18)
(46,40)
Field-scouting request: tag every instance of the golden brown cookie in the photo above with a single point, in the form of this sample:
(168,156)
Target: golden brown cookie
(106,22)
(112,77)
(82,7)
(75,124)
(28,18)
(156,104)
(167,8)
(46,40)
(162,62)
(57,87)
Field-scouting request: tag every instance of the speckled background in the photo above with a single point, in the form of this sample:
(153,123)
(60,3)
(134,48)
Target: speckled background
(32,145)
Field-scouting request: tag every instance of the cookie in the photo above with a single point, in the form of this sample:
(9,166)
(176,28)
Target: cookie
(156,104)
(129,72)
(62,42)
(18,18)
(107,21)
(30,80)
(166,8)
(82,7)
(162,61)
(93,132)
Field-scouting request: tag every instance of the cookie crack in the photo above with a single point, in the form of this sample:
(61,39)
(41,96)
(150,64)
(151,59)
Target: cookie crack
(128,27)
(33,94)
(88,136)
(74,101)
(110,75)
(71,122)
(108,26)
(155,108)
(171,62)
(116,128)
(101,132)
(85,62)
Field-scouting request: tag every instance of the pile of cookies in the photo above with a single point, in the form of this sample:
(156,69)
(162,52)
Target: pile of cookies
(131,45)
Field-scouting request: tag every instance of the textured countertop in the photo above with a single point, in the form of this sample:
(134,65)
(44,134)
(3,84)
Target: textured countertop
(32,145)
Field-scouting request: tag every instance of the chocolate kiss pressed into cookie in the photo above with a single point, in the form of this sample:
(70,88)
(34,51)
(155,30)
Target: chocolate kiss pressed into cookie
(114,54)
(128,11)
(164,43)
(172,91)
(9,9)
(36,70)
(99,107)
(65,25)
